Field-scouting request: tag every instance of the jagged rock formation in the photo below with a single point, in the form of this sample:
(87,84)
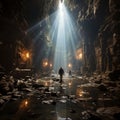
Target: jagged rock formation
(100,25)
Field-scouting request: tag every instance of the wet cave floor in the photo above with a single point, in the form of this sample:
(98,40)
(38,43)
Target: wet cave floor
(77,98)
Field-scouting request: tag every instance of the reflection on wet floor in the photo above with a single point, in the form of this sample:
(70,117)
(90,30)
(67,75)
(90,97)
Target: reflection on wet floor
(24,104)
(74,99)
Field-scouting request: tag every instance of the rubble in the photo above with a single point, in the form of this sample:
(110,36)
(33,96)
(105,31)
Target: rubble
(21,86)
(114,75)
(102,88)
(1,101)
(72,111)
(63,101)
(94,117)
(99,81)
(109,112)
(91,92)
(59,118)
(5,86)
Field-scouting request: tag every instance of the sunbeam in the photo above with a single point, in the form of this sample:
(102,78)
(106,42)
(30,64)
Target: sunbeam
(55,38)
(64,35)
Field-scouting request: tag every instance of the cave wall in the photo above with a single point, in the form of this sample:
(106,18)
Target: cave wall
(108,37)
(100,26)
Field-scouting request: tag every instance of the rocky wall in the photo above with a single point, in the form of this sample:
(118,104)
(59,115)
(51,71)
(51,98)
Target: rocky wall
(100,23)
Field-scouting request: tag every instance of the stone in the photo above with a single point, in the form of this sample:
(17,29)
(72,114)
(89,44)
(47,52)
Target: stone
(93,117)
(1,101)
(21,86)
(47,101)
(115,75)
(72,96)
(108,110)
(63,101)
(102,88)
(27,89)
(36,85)
(72,111)
(4,86)
(16,95)
(54,94)
(54,102)
(98,81)
(59,118)
(6,97)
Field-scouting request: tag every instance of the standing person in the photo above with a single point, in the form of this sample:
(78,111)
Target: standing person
(70,73)
(61,72)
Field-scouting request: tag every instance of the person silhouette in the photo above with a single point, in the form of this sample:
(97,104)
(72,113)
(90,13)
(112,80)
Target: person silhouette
(70,73)
(61,72)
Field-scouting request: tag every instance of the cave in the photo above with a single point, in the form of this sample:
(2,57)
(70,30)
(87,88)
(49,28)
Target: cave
(38,37)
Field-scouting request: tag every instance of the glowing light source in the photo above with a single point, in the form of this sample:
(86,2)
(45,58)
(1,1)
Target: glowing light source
(60,5)
(69,65)
(45,63)
(50,65)
(27,55)
(79,54)
(61,2)
(46,83)
(70,83)
(79,92)
(26,103)
(61,9)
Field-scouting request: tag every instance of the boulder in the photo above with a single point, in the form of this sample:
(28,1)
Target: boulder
(102,88)
(115,75)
